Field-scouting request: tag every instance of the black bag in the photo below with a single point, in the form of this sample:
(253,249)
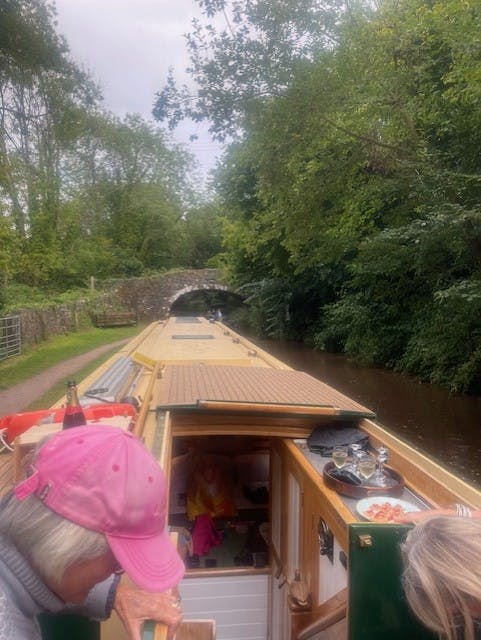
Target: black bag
(335,434)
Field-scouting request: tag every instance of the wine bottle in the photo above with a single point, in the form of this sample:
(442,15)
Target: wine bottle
(74,415)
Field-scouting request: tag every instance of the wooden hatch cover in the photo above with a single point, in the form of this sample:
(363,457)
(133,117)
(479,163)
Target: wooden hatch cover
(252,389)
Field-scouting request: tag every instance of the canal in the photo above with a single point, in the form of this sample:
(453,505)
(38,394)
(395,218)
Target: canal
(445,426)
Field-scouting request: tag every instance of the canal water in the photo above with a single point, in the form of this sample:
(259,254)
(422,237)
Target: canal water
(445,426)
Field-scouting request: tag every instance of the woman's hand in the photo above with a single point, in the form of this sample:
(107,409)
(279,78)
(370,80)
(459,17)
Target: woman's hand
(134,606)
(418,516)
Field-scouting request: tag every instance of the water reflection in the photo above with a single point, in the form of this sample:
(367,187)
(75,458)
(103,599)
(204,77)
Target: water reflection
(445,426)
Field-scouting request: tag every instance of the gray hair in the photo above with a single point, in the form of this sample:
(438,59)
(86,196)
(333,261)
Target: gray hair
(442,576)
(48,541)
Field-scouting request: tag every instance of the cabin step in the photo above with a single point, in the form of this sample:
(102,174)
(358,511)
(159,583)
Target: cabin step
(328,615)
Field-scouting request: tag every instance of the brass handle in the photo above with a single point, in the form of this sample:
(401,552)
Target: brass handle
(365,540)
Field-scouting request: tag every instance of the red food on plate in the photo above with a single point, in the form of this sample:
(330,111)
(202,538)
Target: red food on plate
(384,512)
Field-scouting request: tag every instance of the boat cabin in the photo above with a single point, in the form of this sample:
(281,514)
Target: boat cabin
(276,546)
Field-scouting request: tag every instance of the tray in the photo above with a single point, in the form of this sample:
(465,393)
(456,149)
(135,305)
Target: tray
(363,490)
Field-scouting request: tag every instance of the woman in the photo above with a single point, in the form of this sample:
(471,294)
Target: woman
(442,576)
(94,506)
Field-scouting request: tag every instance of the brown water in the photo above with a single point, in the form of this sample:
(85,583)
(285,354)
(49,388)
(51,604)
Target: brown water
(446,426)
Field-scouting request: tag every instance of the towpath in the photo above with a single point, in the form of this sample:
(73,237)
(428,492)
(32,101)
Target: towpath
(20,396)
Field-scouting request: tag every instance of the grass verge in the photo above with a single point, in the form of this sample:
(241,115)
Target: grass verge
(40,357)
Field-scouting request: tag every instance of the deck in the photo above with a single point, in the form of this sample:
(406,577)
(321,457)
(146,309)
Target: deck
(192,340)
(6,472)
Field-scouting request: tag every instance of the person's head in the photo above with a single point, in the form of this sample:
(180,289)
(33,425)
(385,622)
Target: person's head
(55,547)
(95,502)
(442,575)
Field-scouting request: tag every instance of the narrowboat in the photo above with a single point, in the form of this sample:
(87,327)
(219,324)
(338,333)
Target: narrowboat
(278,543)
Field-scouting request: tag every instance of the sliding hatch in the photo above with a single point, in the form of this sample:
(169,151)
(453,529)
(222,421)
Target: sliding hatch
(252,390)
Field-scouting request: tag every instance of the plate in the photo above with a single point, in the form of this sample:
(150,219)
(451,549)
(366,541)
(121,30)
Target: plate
(363,506)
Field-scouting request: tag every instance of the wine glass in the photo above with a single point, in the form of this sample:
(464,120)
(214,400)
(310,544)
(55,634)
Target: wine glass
(339,456)
(367,466)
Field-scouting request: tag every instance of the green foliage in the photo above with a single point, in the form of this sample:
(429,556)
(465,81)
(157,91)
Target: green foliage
(27,37)
(243,53)
(83,193)
(405,285)
(356,185)
(446,349)
(202,232)
(22,296)
(289,307)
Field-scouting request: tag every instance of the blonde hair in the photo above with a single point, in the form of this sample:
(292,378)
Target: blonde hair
(442,576)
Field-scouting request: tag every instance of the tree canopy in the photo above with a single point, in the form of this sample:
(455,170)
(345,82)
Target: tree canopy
(351,192)
(346,204)
(82,192)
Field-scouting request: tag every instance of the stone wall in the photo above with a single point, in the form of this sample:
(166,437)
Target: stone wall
(150,297)
(39,324)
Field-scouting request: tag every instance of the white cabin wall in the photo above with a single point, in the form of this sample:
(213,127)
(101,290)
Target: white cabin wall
(237,603)
(332,575)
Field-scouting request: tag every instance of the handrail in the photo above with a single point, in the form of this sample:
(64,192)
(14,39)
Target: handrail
(139,424)
(268,407)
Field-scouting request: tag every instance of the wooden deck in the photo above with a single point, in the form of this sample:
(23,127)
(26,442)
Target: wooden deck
(6,472)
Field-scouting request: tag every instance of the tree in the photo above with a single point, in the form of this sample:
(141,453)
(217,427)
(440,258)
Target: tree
(202,235)
(81,191)
(361,174)
(244,53)
(130,187)
(28,40)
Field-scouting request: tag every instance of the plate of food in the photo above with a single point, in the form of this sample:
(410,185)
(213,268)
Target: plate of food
(384,508)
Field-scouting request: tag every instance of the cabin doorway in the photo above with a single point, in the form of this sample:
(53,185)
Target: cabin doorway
(220,484)
(219,501)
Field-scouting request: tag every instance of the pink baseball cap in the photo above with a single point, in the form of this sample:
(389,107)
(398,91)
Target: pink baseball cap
(104,479)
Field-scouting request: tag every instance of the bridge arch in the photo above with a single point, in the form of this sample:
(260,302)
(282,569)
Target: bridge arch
(152,297)
(194,288)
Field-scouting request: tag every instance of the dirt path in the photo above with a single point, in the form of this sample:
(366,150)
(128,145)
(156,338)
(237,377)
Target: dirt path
(23,394)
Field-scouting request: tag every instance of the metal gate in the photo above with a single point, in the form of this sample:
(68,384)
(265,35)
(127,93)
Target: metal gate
(10,337)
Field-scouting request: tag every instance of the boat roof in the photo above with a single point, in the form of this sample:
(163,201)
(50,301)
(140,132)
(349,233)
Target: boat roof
(250,389)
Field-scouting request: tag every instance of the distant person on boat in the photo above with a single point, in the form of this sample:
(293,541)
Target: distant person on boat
(93,507)
(218,315)
(442,576)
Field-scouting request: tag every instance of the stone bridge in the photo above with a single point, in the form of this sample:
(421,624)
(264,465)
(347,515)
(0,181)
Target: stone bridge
(152,297)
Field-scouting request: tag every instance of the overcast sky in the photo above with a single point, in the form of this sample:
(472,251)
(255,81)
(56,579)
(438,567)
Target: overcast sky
(128,46)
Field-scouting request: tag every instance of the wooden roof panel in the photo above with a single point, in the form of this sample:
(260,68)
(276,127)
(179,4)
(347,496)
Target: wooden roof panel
(194,385)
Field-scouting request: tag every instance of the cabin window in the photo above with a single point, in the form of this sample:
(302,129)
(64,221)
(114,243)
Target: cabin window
(219,500)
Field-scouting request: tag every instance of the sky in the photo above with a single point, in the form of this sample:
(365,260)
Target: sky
(127,46)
